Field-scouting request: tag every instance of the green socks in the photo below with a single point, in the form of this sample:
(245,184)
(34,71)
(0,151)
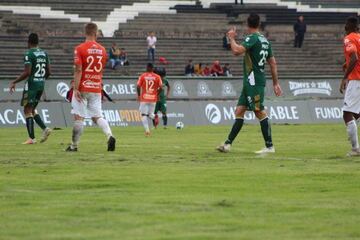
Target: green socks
(30,127)
(235,130)
(39,121)
(266,132)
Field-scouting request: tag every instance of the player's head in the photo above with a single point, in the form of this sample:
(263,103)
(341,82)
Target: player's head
(150,67)
(161,71)
(91,30)
(33,40)
(301,18)
(253,21)
(352,24)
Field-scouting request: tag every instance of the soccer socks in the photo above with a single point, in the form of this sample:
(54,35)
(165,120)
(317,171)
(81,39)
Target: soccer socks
(235,130)
(165,119)
(352,131)
(30,127)
(144,119)
(266,132)
(76,133)
(39,121)
(104,125)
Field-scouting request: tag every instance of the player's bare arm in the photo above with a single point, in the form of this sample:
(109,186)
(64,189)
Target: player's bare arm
(24,75)
(168,91)
(77,77)
(138,91)
(274,75)
(48,71)
(349,69)
(235,48)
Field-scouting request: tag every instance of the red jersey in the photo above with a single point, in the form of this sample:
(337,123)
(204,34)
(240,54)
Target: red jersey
(91,56)
(352,45)
(149,84)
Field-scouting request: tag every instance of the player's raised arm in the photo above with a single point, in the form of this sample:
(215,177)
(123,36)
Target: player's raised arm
(235,48)
(274,76)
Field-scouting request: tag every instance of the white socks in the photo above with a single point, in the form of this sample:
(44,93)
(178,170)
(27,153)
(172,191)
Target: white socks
(76,133)
(351,129)
(145,123)
(104,125)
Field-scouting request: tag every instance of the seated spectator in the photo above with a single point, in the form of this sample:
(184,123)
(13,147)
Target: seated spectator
(227,70)
(123,58)
(198,69)
(206,71)
(189,69)
(114,56)
(216,69)
(226,42)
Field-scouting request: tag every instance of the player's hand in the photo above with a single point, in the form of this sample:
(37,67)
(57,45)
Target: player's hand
(77,95)
(232,33)
(277,90)
(343,85)
(12,87)
(344,67)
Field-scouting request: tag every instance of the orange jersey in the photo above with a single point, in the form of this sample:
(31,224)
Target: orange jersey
(91,56)
(352,45)
(149,84)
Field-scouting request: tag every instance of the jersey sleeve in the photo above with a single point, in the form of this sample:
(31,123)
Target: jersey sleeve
(270,52)
(350,47)
(27,58)
(77,56)
(249,42)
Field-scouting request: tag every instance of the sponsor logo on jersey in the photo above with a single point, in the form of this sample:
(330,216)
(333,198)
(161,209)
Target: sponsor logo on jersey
(179,90)
(91,84)
(203,89)
(62,88)
(300,88)
(213,113)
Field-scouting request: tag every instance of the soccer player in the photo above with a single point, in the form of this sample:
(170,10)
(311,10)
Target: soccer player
(89,61)
(161,104)
(257,50)
(37,69)
(149,86)
(350,83)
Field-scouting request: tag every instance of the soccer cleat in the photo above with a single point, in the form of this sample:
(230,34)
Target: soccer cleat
(266,150)
(353,153)
(111,144)
(29,141)
(45,135)
(147,134)
(224,148)
(71,149)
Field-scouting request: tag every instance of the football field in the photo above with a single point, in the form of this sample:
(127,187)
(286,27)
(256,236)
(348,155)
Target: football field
(174,185)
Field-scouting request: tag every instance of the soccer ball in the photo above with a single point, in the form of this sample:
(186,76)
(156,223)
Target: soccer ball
(179,125)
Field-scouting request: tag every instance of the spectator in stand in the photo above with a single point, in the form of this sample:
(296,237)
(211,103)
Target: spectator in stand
(198,71)
(151,42)
(114,54)
(189,69)
(226,42)
(227,70)
(300,30)
(216,69)
(206,71)
(124,58)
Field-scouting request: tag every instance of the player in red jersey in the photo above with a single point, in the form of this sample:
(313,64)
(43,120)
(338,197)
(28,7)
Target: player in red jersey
(350,83)
(89,60)
(149,86)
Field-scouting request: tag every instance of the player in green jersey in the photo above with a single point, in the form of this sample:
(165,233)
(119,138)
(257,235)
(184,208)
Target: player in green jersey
(161,103)
(257,50)
(36,70)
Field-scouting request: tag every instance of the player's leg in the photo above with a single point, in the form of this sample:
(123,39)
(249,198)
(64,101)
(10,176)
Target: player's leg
(95,112)
(163,110)
(239,121)
(156,118)
(46,131)
(266,132)
(352,107)
(26,102)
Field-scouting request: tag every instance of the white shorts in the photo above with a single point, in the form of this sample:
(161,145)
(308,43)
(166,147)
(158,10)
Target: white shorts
(147,108)
(89,107)
(352,97)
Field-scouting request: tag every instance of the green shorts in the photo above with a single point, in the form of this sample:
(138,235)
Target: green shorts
(31,97)
(252,97)
(160,106)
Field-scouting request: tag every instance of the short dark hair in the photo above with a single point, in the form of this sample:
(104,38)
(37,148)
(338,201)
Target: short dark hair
(33,39)
(91,29)
(150,67)
(253,20)
(352,24)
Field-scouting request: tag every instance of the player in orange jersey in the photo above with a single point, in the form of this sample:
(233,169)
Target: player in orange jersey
(149,86)
(350,83)
(89,60)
